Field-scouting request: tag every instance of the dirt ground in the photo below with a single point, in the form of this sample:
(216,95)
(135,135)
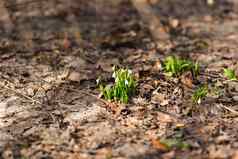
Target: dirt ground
(49,63)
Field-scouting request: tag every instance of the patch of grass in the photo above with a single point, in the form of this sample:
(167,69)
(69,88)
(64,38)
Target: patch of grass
(124,86)
(200,94)
(230,74)
(175,66)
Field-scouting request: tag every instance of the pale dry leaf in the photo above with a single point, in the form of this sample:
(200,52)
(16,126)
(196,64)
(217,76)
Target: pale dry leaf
(159,98)
(157,66)
(158,145)
(166,118)
(174,23)
(169,155)
(75,76)
(187,79)
(235,156)
(107,64)
(3,107)
(220,151)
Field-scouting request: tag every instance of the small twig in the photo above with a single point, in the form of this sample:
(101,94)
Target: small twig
(90,94)
(229,109)
(23,95)
(220,77)
(108,105)
(27,97)
(22,3)
(212,75)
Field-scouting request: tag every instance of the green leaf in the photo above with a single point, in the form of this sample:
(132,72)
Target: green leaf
(230,74)
(123,87)
(175,66)
(199,94)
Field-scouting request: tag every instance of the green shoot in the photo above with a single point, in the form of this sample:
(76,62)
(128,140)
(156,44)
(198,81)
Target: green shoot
(123,87)
(199,94)
(230,74)
(196,69)
(175,66)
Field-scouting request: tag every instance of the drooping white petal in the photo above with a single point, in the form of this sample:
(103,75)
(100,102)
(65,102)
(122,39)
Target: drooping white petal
(114,75)
(129,72)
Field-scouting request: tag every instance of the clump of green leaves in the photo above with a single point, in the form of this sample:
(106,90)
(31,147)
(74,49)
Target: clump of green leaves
(175,143)
(199,94)
(124,86)
(175,66)
(230,74)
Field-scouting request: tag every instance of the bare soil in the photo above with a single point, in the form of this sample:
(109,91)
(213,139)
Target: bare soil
(49,63)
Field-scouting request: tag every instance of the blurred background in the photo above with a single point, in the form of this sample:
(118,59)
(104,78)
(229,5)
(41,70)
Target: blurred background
(39,21)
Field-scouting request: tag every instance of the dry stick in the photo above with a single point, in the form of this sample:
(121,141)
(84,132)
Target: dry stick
(219,76)
(27,97)
(21,4)
(211,75)
(90,94)
(78,91)
(229,109)
(23,95)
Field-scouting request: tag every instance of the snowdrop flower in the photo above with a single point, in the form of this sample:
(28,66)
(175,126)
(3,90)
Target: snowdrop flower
(126,82)
(129,72)
(199,101)
(114,75)
(98,81)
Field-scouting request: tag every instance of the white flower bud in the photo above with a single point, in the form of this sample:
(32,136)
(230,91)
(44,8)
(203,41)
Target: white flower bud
(129,72)
(114,75)
(98,81)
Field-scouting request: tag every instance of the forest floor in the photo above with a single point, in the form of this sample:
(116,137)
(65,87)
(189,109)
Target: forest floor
(49,104)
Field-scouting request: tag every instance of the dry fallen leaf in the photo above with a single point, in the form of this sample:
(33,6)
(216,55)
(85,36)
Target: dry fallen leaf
(208,18)
(235,156)
(169,155)
(66,42)
(174,23)
(166,118)
(187,79)
(107,64)
(148,87)
(158,145)
(157,66)
(75,76)
(159,98)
